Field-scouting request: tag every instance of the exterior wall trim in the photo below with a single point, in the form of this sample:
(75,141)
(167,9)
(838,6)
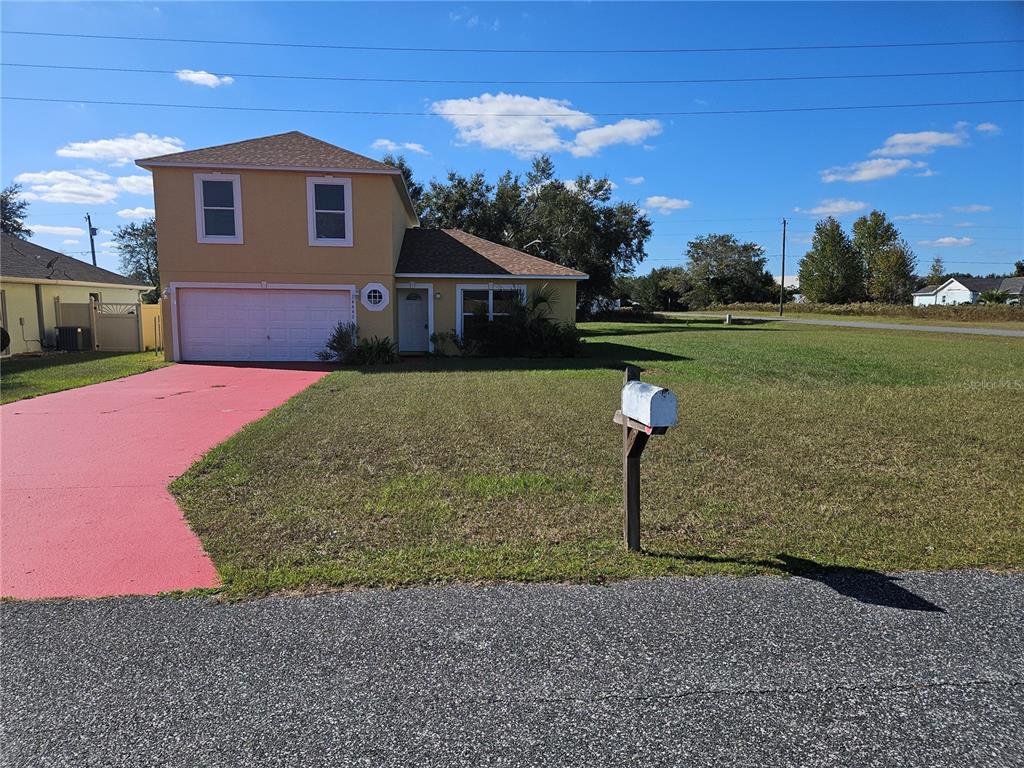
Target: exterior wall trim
(176,321)
(454,276)
(47,281)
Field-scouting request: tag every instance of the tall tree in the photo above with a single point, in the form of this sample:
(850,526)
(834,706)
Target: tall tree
(574,224)
(889,262)
(13,209)
(1018,268)
(832,271)
(722,270)
(659,289)
(136,244)
(937,271)
(414,187)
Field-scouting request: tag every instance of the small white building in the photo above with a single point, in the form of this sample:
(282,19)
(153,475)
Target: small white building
(967,290)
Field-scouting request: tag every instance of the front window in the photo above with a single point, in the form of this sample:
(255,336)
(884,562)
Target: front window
(218,208)
(329,204)
(480,305)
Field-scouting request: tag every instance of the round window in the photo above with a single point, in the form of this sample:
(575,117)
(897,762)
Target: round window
(375,296)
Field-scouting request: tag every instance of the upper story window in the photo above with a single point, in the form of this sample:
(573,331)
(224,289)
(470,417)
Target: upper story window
(218,208)
(329,210)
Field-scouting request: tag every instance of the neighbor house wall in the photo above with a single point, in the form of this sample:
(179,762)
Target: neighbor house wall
(955,294)
(20,299)
(275,247)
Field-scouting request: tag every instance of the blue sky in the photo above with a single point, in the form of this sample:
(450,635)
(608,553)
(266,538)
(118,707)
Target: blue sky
(952,174)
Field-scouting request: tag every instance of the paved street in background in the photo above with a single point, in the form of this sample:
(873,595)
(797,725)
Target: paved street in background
(854,669)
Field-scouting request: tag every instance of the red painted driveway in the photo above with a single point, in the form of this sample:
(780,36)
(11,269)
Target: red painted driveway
(85,509)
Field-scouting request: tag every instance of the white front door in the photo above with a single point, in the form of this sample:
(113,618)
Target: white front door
(258,324)
(413,320)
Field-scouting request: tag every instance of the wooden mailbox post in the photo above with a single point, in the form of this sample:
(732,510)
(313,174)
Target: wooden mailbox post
(646,410)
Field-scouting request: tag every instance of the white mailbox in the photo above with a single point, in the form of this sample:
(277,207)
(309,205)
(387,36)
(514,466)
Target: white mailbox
(648,404)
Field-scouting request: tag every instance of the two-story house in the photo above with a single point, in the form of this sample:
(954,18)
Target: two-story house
(266,245)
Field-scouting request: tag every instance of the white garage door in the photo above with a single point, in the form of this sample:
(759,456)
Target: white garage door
(258,323)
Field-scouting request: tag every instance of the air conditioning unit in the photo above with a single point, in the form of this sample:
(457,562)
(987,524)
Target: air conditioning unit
(72,338)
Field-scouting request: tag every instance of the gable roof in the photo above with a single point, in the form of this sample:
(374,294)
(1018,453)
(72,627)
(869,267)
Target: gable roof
(1011,285)
(291,151)
(22,259)
(443,252)
(928,290)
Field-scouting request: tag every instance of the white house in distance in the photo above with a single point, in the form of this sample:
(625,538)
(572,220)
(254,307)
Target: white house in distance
(966,290)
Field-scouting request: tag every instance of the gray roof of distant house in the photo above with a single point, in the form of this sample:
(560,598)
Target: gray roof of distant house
(20,258)
(1011,285)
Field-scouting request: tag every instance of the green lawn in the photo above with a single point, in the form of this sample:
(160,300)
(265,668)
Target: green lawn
(24,377)
(790,315)
(879,449)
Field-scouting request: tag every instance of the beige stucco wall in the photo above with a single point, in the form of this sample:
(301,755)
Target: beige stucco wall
(20,299)
(20,302)
(275,247)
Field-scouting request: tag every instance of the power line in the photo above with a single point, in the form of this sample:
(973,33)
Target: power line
(404,49)
(427,81)
(385,113)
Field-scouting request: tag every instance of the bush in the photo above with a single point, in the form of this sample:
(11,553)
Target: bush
(526,331)
(956,312)
(346,348)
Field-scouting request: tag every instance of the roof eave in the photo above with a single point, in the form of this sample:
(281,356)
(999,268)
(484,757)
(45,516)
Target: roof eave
(490,276)
(90,283)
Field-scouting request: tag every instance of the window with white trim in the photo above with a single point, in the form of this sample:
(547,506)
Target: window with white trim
(218,208)
(483,303)
(329,210)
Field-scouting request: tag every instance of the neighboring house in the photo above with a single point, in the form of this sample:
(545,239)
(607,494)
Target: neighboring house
(33,279)
(266,245)
(966,290)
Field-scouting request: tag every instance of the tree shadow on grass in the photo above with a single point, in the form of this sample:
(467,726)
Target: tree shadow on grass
(862,584)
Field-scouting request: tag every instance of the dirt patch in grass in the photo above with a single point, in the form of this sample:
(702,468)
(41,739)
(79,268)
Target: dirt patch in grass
(848,448)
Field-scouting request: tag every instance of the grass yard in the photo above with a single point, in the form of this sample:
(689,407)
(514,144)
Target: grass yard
(885,450)
(790,315)
(24,377)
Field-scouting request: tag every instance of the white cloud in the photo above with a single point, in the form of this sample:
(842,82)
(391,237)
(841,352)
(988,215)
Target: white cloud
(136,185)
(990,128)
(635,179)
(526,125)
(920,143)
(46,229)
(627,131)
(963,224)
(387,145)
(68,186)
(666,205)
(947,242)
(972,208)
(69,242)
(917,217)
(869,170)
(202,77)
(136,213)
(123,149)
(834,206)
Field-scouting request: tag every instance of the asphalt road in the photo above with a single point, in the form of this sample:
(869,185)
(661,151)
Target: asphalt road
(858,670)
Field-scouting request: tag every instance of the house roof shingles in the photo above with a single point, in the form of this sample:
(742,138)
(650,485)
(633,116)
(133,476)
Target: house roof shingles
(1011,285)
(454,252)
(283,150)
(20,258)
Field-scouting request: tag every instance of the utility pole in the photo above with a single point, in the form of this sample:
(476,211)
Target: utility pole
(92,234)
(782,279)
